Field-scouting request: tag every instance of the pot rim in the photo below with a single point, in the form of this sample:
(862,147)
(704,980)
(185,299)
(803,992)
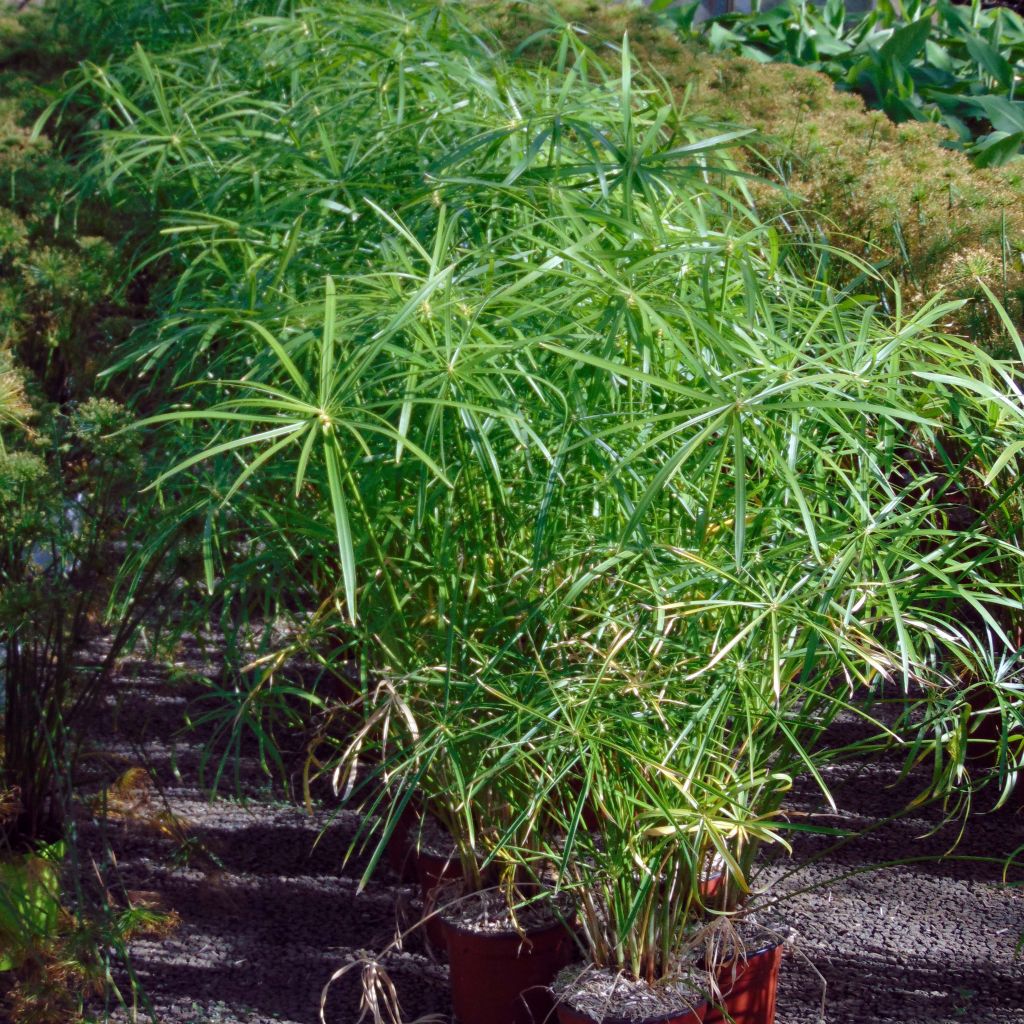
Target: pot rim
(492,933)
(748,953)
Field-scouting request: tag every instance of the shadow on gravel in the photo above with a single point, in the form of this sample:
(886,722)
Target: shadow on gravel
(266,946)
(277,848)
(272,912)
(263,990)
(981,860)
(918,990)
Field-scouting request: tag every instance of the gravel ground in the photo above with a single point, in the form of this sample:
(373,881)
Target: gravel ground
(269,908)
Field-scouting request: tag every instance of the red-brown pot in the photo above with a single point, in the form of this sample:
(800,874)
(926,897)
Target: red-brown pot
(748,987)
(983,743)
(711,885)
(400,851)
(567,1015)
(503,978)
(589,815)
(433,871)
(986,728)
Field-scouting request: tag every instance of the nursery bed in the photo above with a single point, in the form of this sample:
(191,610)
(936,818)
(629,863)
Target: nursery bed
(268,912)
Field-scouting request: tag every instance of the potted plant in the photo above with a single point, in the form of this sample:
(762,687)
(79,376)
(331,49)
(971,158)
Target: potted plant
(669,800)
(636,883)
(480,769)
(590,450)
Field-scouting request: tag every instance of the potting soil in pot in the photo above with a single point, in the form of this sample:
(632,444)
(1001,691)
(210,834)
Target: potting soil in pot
(605,996)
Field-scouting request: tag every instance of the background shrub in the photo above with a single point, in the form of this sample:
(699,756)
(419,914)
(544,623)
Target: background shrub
(951,64)
(66,488)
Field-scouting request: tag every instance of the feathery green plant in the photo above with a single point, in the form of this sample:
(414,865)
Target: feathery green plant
(616,500)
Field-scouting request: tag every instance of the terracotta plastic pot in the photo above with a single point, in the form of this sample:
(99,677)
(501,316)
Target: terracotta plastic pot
(590,816)
(748,987)
(400,851)
(567,1015)
(711,885)
(433,870)
(983,744)
(501,978)
(983,741)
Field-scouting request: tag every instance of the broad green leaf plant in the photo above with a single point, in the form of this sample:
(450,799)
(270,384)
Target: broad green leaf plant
(955,64)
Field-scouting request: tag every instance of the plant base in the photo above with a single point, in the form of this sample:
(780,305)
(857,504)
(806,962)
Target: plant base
(567,1015)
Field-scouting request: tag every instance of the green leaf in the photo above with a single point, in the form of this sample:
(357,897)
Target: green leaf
(1006,115)
(307,451)
(682,16)
(712,142)
(286,361)
(1010,452)
(227,446)
(1007,321)
(265,456)
(208,551)
(668,470)
(907,42)
(997,149)
(721,38)
(990,60)
(327,344)
(343,529)
(938,56)
(740,484)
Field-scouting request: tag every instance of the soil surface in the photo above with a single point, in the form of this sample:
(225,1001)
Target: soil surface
(269,905)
